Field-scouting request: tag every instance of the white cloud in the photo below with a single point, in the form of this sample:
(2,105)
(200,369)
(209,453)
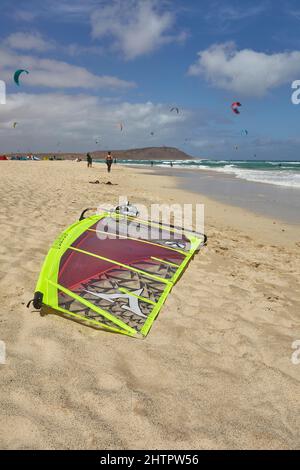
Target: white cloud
(60,10)
(133,27)
(28,42)
(72,10)
(35,42)
(228,13)
(246,72)
(75,50)
(56,74)
(76,121)
(136,27)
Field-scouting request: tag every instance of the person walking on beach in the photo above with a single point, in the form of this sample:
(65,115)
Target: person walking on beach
(109,161)
(89,160)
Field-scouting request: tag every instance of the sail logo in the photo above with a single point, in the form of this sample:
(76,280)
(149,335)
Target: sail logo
(132,297)
(2,92)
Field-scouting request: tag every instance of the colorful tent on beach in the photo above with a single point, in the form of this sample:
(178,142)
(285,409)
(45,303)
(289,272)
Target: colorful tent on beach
(114,271)
(3,157)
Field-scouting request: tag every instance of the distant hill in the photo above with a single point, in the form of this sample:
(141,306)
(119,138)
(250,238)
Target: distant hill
(148,153)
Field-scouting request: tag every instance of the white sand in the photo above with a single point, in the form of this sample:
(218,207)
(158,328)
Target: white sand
(215,370)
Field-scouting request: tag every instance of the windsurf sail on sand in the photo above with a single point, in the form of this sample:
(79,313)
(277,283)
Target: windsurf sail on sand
(114,271)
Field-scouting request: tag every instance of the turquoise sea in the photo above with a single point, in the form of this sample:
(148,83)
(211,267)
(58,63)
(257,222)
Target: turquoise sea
(280,173)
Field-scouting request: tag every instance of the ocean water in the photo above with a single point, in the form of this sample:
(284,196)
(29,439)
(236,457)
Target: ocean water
(279,173)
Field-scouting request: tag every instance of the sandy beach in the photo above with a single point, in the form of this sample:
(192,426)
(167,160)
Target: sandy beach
(215,370)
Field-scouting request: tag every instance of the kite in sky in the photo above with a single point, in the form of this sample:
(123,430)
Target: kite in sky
(235,107)
(17,75)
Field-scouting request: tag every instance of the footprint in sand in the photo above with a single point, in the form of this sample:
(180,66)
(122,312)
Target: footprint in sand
(272,298)
(255,265)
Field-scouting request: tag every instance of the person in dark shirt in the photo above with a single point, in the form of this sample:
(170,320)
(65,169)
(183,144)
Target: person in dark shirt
(109,161)
(89,160)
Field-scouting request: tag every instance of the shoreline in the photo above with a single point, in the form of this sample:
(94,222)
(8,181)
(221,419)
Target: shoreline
(274,202)
(271,228)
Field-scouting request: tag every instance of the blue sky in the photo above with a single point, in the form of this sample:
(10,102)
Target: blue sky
(97,63)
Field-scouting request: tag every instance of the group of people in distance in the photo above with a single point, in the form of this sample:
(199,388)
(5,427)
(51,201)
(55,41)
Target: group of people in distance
(109,161)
